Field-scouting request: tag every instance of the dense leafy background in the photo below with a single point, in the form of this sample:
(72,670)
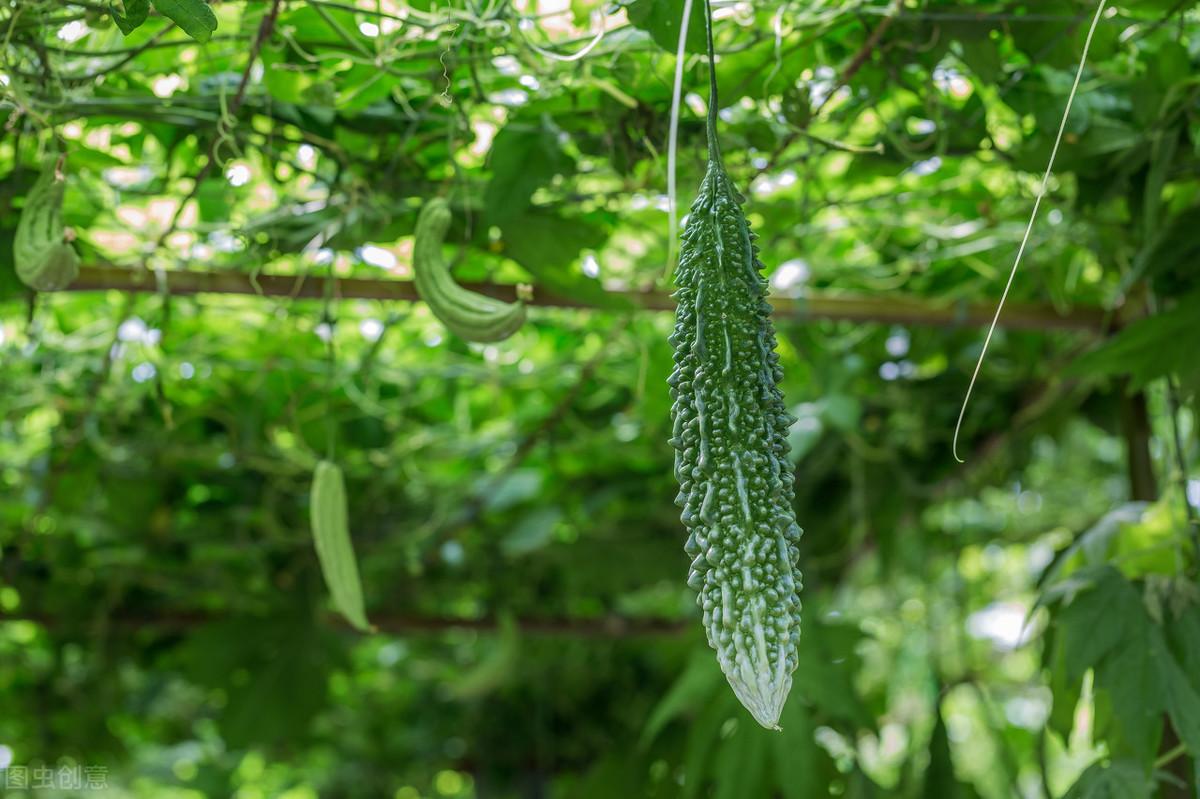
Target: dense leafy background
(1025,625)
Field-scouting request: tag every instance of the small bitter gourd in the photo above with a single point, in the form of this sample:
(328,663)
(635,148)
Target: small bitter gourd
(730,436)
(469,314)
(331,536)
(44,259)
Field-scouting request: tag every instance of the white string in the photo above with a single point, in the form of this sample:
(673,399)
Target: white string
(596,16)
(673,135)
(1028,228)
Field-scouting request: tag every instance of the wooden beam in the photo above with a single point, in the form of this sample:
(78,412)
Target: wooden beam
(394,623)
(891,309)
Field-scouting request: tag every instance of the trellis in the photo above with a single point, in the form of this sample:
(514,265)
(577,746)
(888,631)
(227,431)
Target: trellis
(822,306)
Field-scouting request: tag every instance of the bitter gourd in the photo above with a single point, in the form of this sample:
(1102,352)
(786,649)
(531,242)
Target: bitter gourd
(469,314)
(44,259)
(331,535)
(730,436)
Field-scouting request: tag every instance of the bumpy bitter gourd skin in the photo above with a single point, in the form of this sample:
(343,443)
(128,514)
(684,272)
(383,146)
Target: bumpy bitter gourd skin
(469,314)
(44,260)
(730,436)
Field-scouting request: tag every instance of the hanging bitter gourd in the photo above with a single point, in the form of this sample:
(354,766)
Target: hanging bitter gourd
(331,536)
(730,436)
(43,257)
(469,314)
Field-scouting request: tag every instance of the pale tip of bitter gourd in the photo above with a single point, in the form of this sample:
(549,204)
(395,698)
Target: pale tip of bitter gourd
(763,693)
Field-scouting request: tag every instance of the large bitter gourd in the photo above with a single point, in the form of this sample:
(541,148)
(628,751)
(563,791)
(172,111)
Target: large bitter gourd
(730,436)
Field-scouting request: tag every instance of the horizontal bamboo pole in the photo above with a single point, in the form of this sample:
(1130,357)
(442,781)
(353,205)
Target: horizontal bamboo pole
(891,309)
(394,623)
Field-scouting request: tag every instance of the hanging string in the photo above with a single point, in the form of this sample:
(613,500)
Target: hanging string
(673,143)
(1041,192)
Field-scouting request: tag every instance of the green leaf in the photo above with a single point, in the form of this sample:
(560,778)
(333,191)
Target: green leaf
(1163,344)
(1130,679)
(523,158)
(532,532)
(1173,251)
(194,16)
(704,734)
(807,430)
(212,199)
(859,785)
(741,762)
(1106,627)
(1184,635)
(797,759)
(826,659)
(136,12)
(495,667)
(978,50)
(842,411)
(1162,159)
(581,11)
(1092,548)
(1098,620)
(1182,699)
(661,19)
(940,782)
(1064,689)
(520,485)
(1118,780)
(10,285)
(549,248)
(692,690)
(274,671)
(1171,64)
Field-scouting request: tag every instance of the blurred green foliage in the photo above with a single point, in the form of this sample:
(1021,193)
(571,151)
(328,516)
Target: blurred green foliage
(1025,625)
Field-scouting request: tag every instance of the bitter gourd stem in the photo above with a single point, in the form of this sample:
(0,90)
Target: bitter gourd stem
(714,149)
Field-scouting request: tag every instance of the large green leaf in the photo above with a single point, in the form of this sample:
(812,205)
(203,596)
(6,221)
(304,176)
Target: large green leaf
(194,16)
(525,156)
